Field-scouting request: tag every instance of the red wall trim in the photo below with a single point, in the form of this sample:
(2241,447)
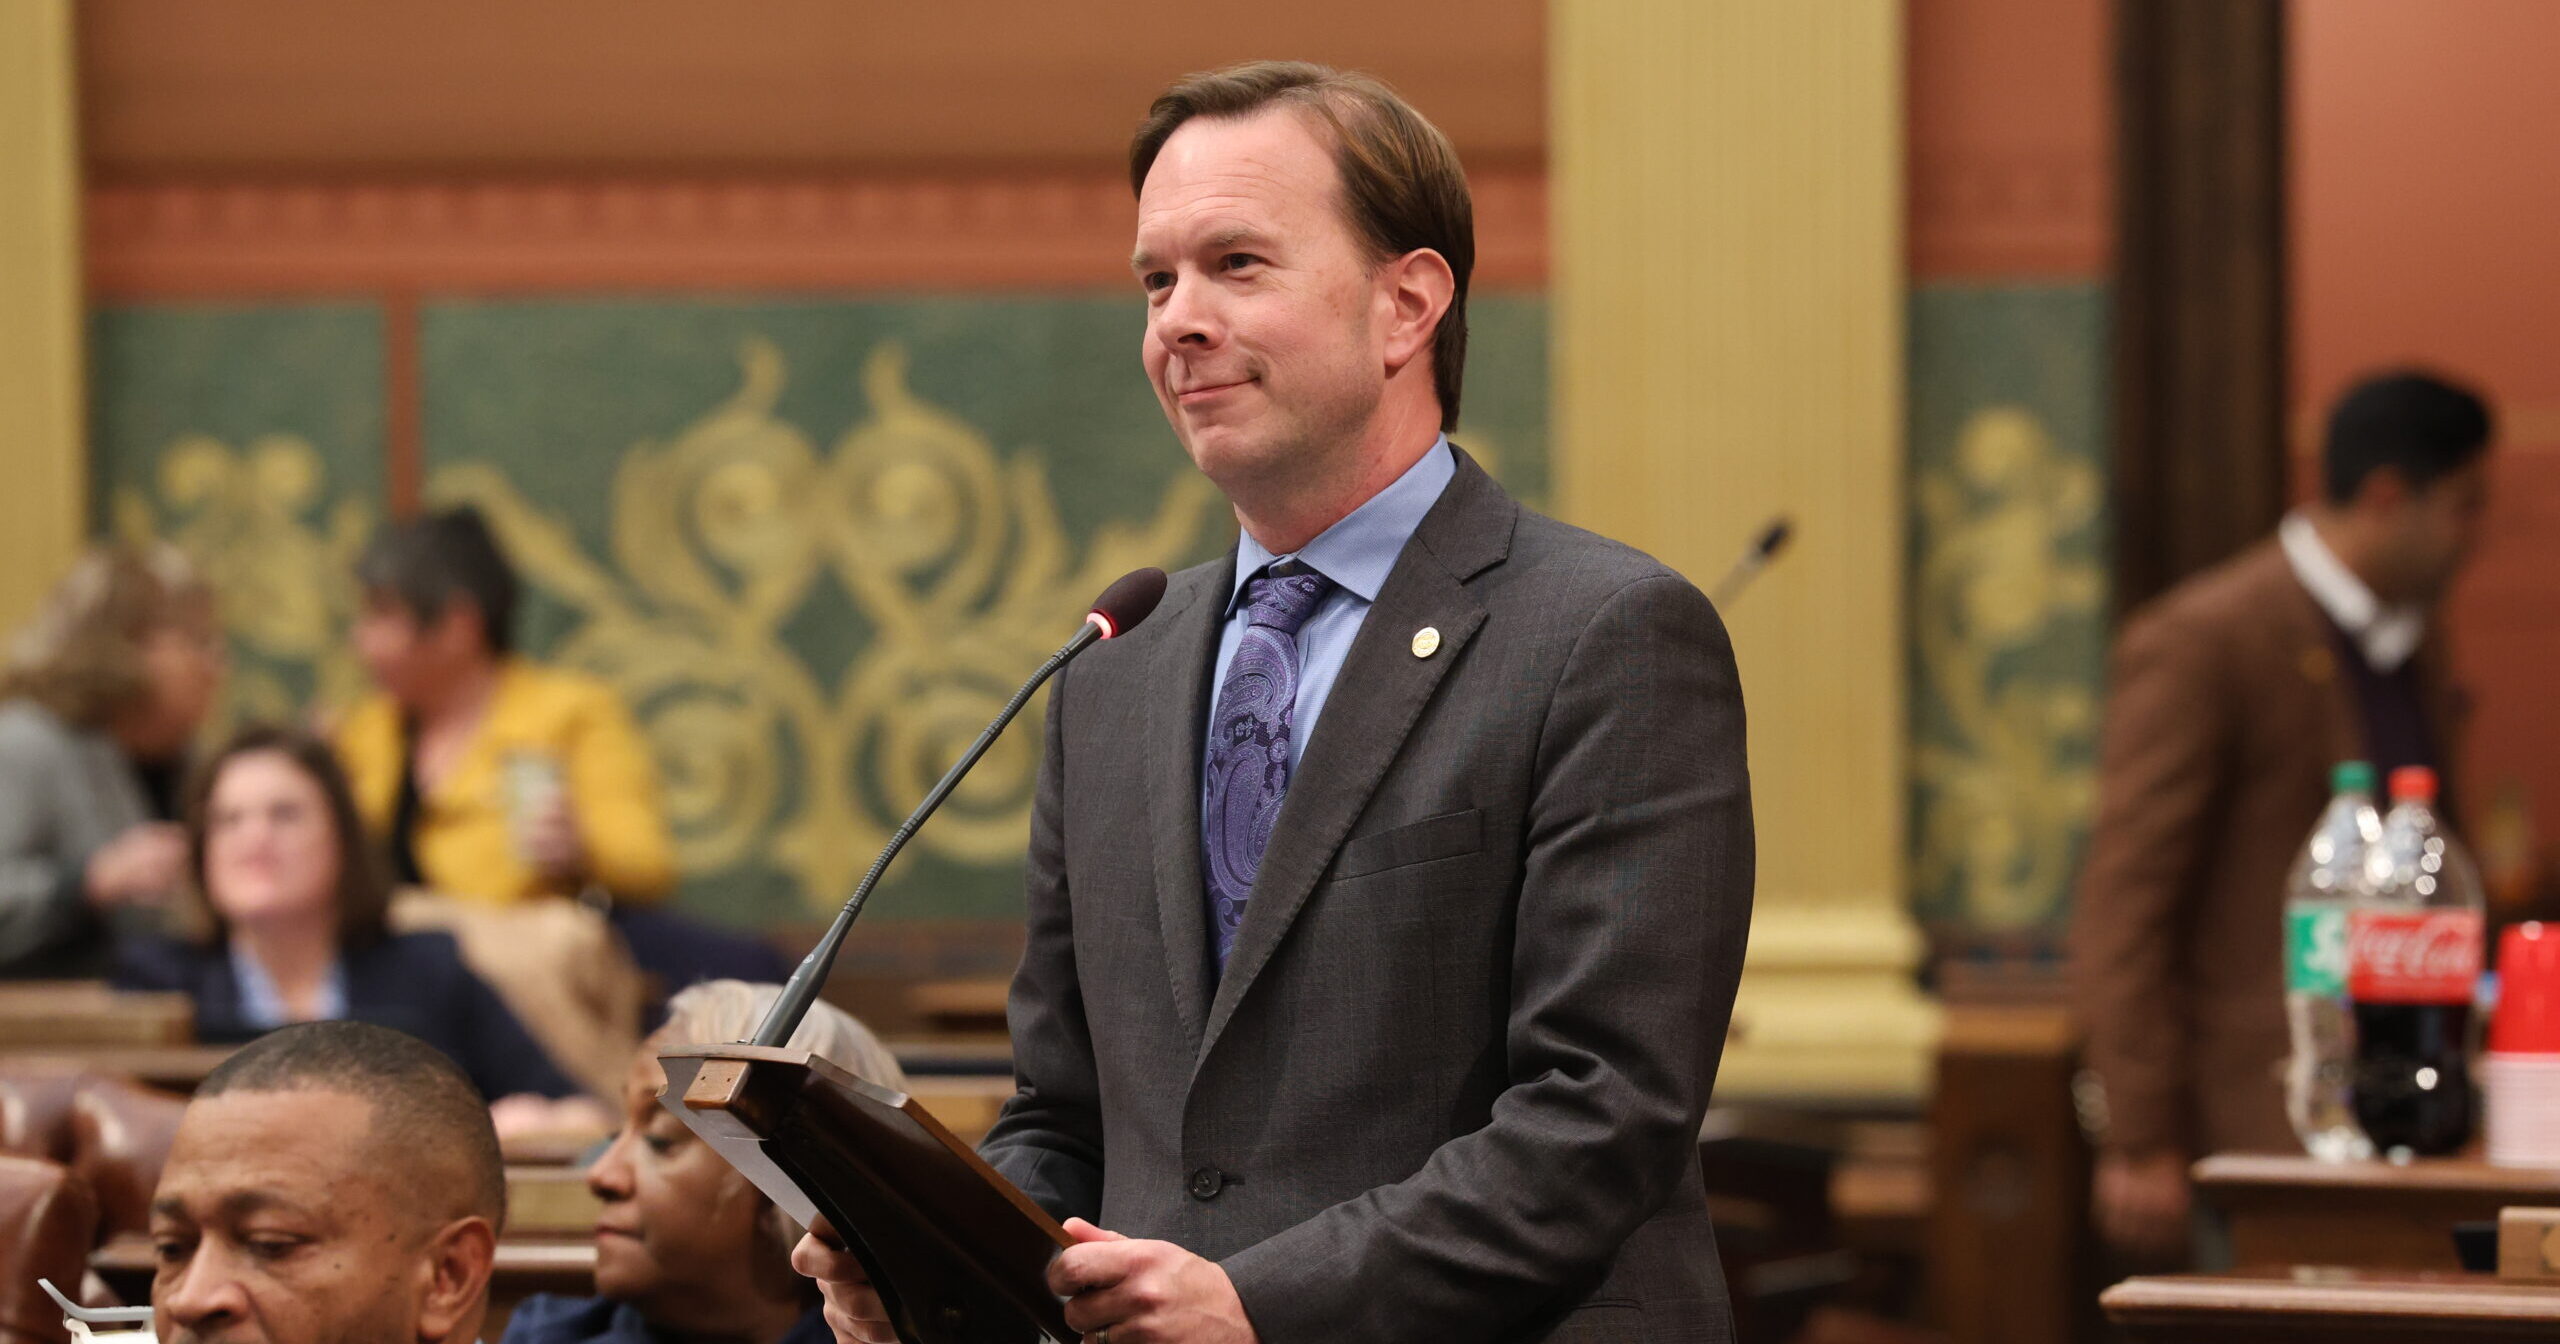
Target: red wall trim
(1985,214)
(1009,231)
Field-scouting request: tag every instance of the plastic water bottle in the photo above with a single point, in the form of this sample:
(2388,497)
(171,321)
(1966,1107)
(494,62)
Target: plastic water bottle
(2330,877)
(2413,969)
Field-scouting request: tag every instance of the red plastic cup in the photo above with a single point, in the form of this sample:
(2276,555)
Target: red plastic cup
(2527,1018)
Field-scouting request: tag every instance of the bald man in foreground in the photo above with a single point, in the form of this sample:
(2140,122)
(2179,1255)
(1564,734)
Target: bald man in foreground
(332,1183)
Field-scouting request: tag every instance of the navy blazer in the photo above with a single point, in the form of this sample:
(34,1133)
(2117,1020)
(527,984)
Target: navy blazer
(546,1318)
(412,982)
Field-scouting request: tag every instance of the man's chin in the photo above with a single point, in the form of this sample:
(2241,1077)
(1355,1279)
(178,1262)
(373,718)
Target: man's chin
(1228,454)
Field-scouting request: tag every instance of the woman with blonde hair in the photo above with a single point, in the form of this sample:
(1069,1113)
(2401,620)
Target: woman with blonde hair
(99,698)
(685,1246)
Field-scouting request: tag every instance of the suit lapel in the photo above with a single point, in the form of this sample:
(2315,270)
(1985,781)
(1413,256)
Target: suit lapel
(2315,657)
(1375,703)
(1177,696)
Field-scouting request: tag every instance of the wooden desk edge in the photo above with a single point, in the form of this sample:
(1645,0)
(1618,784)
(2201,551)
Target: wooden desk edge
(2268,1171)
(2157,1299)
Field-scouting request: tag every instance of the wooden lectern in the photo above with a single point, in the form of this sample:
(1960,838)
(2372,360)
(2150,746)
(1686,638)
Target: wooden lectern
(958,1254)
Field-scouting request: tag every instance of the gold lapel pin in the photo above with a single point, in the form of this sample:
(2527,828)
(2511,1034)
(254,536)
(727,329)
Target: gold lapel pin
(1426,641)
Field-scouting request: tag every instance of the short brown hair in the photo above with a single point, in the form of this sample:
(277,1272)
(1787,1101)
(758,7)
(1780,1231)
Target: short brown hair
(364,884)
(1402,188)
(427,564)
(82,656)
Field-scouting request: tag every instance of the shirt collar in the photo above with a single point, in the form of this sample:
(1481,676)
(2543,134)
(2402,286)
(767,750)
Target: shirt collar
(262,1005)
(1358,552)
(2387,636)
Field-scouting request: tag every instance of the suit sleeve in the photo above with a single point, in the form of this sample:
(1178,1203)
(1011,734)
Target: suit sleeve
(2164,734)
(1634,905)
(1048,1140)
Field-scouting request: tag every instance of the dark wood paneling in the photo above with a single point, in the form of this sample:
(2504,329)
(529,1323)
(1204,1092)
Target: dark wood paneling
(2200,286)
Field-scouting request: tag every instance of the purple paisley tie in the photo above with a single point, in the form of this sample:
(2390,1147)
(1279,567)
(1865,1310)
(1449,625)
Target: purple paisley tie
(1248,771)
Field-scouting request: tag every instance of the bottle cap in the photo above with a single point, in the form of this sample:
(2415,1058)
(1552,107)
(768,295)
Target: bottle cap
(2413,781)
(2351,777)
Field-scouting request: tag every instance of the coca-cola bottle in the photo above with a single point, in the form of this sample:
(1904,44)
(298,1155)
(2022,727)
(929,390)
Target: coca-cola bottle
(2413,963)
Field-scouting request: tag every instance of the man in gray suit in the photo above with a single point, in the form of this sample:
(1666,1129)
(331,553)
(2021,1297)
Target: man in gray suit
(1388,887)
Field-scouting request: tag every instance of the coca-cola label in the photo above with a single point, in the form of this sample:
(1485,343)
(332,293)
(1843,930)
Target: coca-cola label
(2315,950)
(2413,956)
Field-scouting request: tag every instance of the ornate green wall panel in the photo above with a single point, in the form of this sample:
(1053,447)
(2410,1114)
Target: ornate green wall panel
(817,543)
(252,437)
(2007,454)
(814,542)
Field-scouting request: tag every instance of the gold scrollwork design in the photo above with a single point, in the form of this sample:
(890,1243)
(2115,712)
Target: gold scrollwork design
(280,557)
(955,561)
(2004,795)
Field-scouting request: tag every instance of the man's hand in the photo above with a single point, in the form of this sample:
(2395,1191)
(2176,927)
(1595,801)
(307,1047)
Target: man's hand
(140,867)
(854,1312)
(2143,1203)
(1145,1292)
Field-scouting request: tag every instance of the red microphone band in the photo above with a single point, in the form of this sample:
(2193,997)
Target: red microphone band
(1103,623)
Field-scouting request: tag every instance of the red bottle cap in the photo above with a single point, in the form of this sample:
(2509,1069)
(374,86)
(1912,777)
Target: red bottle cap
(2413,781)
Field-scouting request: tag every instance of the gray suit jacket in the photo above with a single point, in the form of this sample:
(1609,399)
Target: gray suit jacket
(1449,1086)
(64,793)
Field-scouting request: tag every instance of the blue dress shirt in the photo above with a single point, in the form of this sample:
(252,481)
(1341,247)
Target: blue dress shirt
(1356,553)
(262,1005)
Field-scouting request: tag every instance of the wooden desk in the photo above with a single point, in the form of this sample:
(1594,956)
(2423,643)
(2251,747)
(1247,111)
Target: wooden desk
(971,1053)
(560,1149)
(2289,1210)
(965,1105)
(550,1202)
(2314,1306)
(175,1067)
(2008,1256)
(77,1014)
(973,1005)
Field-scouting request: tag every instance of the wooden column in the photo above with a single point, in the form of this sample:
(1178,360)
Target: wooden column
(2200,293)
(44,507)
(1726,194)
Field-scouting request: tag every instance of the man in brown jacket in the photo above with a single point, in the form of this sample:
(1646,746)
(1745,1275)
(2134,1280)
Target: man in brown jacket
(2230,697)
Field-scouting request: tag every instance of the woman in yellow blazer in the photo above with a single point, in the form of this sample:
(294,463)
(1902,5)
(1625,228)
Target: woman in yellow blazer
(491,779)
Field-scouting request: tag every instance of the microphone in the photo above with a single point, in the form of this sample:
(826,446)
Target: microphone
(1763,549)
(1115,613)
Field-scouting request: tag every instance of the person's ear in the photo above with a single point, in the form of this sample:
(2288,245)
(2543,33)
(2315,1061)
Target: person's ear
(2383,491)
(458,1262)
(1417,288)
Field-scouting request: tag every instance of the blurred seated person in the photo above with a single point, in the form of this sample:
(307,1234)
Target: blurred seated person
(101,695)
(496,781)
(685,1246)
(297,904)
(334,1181)
(2229,699)
(493,779)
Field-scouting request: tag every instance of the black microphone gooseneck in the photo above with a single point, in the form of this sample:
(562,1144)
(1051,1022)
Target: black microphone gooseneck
(1121,607)
(1764,548)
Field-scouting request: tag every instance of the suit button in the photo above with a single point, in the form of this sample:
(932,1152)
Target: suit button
(1207,1182)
